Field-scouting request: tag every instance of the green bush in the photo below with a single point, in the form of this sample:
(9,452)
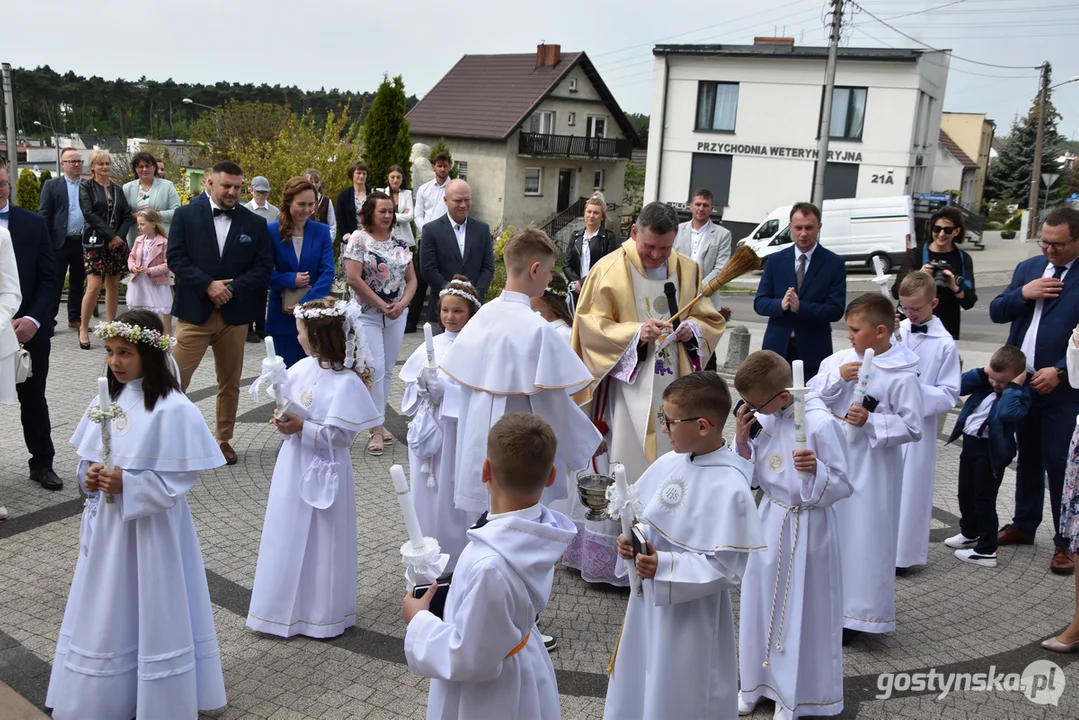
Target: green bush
(498,282)
(28,190)
(45,175)
(1014,222)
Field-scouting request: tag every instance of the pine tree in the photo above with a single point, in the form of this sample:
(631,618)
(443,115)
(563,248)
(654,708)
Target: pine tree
(386,137)
(45,175)
(1009,174)
(442,147)
(28,190)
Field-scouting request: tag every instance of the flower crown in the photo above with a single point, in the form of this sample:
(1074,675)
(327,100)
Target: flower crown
(310,312)
(357,354)
(456,287)
(135,334)
(556,291)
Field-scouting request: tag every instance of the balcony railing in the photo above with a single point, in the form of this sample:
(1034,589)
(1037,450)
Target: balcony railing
(574,146)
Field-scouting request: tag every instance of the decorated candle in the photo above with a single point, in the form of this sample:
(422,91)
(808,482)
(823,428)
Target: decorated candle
(271,351)
(865,372)
(799,393)
(103,400)
(429,341)
(408,510)
(626,513)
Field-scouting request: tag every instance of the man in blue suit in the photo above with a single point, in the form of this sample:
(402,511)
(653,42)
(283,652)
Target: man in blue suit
(802,292)
(1042,304)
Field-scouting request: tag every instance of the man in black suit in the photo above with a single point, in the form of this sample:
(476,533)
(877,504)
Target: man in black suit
(220,253)
(60,207)
(456,244)
(39,279)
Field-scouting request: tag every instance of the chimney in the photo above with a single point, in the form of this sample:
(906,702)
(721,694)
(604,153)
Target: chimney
(773,41)
(548,55)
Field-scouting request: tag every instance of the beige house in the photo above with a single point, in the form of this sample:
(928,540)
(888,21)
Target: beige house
(973,133)
(533,134)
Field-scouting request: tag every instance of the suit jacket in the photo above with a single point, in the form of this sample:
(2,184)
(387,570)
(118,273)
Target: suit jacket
(163,198)
(157,269)
(822,301)
(54,209)
(1059,318)
(714,253)
(94,203)
(38,275)
(404,212)
(602,243)
(195,260)
(440,256)
(1004,417)
(316,258)
(346,212)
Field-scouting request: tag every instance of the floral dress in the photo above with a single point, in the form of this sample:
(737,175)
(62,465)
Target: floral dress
(1069,511)
(385,265)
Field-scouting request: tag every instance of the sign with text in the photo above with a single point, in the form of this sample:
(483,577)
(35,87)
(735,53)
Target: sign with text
(730,148)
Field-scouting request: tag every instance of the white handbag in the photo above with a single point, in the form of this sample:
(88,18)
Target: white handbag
(22,365)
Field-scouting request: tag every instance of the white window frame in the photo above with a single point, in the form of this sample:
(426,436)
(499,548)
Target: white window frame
(571,119)
(591,126)
(602,174)
(573,85)
(538,192)
(462,169)
(542,122)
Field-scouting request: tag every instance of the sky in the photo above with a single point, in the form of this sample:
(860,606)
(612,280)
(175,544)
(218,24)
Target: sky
(349,44)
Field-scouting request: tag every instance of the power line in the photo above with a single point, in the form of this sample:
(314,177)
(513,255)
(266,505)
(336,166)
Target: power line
(919,12)
(950,69)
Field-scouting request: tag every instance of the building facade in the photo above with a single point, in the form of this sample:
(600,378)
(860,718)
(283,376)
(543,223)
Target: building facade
(743,121)
(954,170)
(973,133)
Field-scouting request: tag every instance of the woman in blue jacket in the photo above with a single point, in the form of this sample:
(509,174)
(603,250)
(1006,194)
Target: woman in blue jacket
(303,265)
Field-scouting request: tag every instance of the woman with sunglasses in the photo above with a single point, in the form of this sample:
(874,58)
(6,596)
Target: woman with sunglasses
(949,266)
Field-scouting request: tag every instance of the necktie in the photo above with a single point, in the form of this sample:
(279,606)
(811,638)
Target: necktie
(223,211)
(985,423)
(918,328)
(1058,270)
(799,276)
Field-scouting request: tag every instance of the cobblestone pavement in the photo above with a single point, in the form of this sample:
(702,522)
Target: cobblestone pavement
(952,617)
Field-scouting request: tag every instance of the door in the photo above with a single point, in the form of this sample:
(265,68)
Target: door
(565,185)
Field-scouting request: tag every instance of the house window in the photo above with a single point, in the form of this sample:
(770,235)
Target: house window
(712,172)
(542,123)
(178,151)
(462,170)
(533,180)
(571,119)
(848,113)
(717,106)
(597,126)
(597,182)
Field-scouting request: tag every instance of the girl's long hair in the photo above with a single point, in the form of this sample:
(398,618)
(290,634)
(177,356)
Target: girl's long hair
(293,187)
(157,378)
(153,216)
(556,301)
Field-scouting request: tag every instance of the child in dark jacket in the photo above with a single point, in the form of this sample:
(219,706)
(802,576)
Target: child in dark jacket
(998,399)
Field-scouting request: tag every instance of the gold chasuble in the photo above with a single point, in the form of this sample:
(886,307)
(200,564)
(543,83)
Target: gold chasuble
(618,295)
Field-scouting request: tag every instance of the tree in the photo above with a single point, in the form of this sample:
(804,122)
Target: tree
(633,193)
(45,175)
(28,190)
(386,137)
(231,129)
(442,147)
(640,124)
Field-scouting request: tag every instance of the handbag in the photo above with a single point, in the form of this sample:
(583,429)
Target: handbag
(90,239)
(23,369)
(289,298)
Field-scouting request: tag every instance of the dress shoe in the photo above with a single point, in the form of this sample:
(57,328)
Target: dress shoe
(1063,562)
(229,453)
(3,512)
(1057,646)
(73,324)
(850,635)
(97,311)
(1011,535)
(253,337)
(47,479)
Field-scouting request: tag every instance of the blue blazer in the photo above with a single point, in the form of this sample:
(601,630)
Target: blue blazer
(1004,417)
(316,258)
(1059,317)
(822,301)
(39,277)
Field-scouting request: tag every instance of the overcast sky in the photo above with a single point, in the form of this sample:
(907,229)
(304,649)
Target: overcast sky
(349,43)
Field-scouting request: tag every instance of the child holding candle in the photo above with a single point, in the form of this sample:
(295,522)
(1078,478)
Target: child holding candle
(890,415)
(138,632)
(432,400)
(675,657)
(485,658)
(305,580)
(791,621)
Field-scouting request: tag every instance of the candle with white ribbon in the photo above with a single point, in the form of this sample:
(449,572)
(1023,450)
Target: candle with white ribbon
(798,391)
(271,363)
(883,281)
(429,342)
(103,402)
(865,372)
(626,515)
(271,351)
(408,510)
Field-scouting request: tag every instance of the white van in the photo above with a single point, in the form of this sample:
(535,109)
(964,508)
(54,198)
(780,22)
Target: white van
(857,229)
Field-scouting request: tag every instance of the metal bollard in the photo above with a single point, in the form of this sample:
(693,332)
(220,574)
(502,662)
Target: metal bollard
(737,348)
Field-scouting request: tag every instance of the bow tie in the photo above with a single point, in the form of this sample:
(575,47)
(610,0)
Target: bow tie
(919,328)
(480,522)
(223,211)
(5,215)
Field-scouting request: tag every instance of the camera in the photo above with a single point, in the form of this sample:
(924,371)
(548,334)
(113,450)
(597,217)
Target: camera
(939,266)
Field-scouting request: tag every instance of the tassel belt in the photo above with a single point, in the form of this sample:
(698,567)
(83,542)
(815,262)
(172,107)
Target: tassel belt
(794,510)
(520,647)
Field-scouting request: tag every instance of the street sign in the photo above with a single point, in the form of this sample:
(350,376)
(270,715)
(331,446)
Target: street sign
(1049,179)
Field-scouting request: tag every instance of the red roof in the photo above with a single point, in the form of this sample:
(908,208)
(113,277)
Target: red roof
(956,151)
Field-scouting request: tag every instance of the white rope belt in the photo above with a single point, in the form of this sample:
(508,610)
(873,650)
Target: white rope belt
(796,510)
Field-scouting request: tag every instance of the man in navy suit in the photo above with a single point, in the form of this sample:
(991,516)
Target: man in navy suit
(456,244)
(802,292)
(1042,304)
(39,279)
(220,253)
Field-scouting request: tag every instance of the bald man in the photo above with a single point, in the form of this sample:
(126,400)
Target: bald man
(456,244)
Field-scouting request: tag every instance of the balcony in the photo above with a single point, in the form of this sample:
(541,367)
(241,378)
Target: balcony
(539,145)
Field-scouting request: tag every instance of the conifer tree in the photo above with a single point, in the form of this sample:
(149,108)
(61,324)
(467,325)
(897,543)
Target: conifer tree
(386,137)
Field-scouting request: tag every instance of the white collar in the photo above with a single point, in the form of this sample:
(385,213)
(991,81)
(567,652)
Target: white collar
(513,296)
(435,183)
(7,206)
(213,204)
(702,459)
(532,512)
(76,180)
(702,228)
(808,253)
(462,224)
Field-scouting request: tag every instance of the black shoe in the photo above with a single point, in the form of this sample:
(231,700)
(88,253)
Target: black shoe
(253,337)
(900,572)
(549,642)
(410,328)
(47,479)
(850,636)
(97,311)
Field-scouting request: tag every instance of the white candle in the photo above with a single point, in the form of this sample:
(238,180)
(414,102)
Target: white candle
(404,499)
(627,519)
(103,399)
(429,341)
(798,368)
(859,390)
(271,351)
(799,392)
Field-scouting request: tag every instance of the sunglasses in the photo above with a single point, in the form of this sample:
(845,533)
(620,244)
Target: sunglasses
(939,229)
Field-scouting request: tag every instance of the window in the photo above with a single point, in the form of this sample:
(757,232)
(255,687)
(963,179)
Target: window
(848,113)
(713,172)
(533,181)
(462,170)
(571,119)
(542,123)
(178,151)
(717,106)
(840,180)
(597,182)
(597,126)
(573,84)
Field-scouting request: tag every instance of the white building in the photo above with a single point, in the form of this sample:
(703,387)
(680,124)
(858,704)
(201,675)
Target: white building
(953,169)
(743,120)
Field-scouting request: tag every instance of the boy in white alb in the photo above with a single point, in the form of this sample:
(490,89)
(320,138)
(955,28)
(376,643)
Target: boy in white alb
(485,657)
(939,374)
(791,619)
(675,657)
(868,521)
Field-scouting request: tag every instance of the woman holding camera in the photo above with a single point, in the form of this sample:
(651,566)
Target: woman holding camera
(950,267)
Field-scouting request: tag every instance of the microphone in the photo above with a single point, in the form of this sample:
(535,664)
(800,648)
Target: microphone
(672,305)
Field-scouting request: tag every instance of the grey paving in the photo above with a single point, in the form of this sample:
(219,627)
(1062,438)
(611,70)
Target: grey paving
(952,617)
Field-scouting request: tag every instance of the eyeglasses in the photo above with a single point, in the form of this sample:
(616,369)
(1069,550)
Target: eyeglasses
(1054,246)
(667,422)
(759,408)
(940,229)
(908,310)
(71,162)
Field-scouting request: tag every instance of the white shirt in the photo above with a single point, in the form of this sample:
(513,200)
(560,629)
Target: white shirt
(808,256)
(586,254)
(532,512)
(6,208)
(977,418)
(430,202)
(459,231)
(1031,338)
(297,245)
(698,235)
(222,223)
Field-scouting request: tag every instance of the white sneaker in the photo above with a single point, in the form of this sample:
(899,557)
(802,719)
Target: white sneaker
(782,713)
(745,707)
(974,558)
(961,542)
(3,512)
(548,642)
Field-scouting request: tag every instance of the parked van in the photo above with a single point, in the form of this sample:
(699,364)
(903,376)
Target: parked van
(857,229)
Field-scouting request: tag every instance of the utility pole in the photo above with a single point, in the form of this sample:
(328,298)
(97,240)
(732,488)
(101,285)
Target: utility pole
(826,111)
(1039,143)
(12,134)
